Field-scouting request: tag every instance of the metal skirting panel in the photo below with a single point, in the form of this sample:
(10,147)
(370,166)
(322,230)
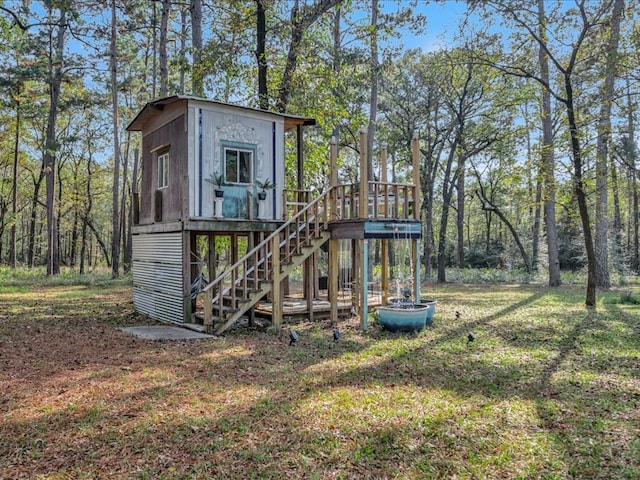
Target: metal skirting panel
(158,275)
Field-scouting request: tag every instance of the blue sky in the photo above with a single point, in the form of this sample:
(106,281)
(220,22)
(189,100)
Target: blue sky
(442,22)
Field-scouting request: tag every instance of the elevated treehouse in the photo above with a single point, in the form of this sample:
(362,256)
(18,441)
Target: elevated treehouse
(214,173)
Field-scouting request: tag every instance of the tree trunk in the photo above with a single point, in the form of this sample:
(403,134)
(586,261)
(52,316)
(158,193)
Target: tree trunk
(488,206)
(128,253)
(602,150)
(101,243)
(535,184)
(162,53)
(447,192)
(154,47)
(261,55)
(373,103)
(183,47)
(581,196)
(617,218)
(55,65)
(14,192)
(73,247)
(115,238)
(301,20)
(197,75)
(633,239)
(87,211)
(83,246)
(548,159)
(31,253)
(123,206)
(460,216)
(635,263)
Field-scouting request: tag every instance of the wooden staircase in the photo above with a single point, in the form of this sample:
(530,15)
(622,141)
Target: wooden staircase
(251,278)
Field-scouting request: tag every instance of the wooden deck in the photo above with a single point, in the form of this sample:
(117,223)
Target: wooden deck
(295,307)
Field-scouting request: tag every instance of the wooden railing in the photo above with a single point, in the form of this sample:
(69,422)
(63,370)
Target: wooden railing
(229,294)
(386,201)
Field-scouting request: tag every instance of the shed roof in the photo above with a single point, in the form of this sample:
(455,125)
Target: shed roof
(137,124)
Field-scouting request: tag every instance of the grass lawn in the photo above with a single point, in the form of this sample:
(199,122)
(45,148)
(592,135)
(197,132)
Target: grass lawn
(546,391)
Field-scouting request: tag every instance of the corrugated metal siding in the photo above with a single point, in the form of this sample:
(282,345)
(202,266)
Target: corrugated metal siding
(157,276)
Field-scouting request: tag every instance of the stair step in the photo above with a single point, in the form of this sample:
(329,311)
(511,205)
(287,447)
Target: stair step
(229,298)
(225,308)
(247,290)
(196,327)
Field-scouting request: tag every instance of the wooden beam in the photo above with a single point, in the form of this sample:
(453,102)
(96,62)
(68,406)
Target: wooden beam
(333,179)
(308,273)
(415,150)
(211,257)
(363,271)
(276,316)
(333,280)
(384,243)
(188,245)
(416,269)
(364,176)
(300,153)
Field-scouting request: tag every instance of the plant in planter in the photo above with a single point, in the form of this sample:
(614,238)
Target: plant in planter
(264,185)
(217,179)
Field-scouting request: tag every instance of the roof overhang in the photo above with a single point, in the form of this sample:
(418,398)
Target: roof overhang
(151,109)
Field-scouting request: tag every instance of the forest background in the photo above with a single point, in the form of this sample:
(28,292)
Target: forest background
(525,111)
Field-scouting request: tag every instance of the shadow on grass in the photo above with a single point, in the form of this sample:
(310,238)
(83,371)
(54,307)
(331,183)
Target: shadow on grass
(523,401)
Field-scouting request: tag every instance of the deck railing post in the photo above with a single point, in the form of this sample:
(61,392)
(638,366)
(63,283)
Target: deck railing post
(415,157)
(364,176)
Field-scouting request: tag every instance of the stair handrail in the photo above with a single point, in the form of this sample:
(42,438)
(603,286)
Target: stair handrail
(267,241)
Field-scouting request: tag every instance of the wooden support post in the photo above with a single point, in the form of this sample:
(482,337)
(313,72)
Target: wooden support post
(252,240)
(333,178)
(417,210)
(364,176)
(364,294)
(188,245)
(332,284)
(415,157)
(276,313)
(355,262)
(308,273)
(211,257)
(234,248)
(415,258)
(300,152)
(384,243)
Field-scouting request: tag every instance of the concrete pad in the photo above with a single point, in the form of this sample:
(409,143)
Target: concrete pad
(165,332)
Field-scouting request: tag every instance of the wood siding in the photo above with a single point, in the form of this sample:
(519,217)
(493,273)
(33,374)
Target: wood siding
(173,136)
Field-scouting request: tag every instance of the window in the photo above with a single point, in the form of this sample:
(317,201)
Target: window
(163,170)
(238,165)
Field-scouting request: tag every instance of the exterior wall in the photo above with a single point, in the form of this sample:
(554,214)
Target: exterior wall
(158,276)
(169,206)
(209,126)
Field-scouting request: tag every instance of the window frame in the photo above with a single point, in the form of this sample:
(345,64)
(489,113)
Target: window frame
(162,163)
(238,148)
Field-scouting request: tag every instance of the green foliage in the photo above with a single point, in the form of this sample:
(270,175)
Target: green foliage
(216,179)
(265,185)
(477,256)
(20,278)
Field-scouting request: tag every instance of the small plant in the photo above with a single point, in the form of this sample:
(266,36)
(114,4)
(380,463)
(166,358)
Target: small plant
(217,179)
(264,185)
